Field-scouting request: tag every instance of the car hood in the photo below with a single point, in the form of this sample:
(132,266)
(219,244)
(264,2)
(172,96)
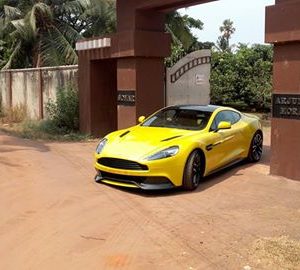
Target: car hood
(140,142)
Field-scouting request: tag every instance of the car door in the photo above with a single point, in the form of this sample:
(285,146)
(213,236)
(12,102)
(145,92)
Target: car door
(224,145)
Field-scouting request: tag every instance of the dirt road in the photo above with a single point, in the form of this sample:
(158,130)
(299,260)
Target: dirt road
(53,215)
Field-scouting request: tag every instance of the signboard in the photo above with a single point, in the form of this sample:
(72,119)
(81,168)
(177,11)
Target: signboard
(126,98)
(200,79)
(286,106)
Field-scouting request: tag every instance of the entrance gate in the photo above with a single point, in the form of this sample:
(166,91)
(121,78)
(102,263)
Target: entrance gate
(122,76)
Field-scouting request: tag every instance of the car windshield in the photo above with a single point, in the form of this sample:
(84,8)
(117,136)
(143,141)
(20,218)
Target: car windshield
(179,118)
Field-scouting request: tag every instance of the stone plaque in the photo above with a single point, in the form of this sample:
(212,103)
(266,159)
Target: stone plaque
(126,98)
(286,106)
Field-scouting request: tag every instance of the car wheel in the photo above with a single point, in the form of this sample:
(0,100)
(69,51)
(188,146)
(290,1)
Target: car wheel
(193,171)
(256,147)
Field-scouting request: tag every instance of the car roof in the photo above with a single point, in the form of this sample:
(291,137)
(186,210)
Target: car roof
(204,108)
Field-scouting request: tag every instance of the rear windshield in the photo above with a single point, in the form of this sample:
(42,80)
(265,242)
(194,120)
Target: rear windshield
(179,118)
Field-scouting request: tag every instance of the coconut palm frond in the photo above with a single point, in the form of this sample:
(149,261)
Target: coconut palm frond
(75,6)
(64,47)
(173,36)
(22,31)
(181,27)
(69,32)
(12,13)
(49,54)
(13,56)
(39,11)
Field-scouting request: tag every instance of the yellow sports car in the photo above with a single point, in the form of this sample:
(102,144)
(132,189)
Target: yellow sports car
(178,146)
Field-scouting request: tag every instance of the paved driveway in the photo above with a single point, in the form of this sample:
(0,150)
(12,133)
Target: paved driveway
(53,216)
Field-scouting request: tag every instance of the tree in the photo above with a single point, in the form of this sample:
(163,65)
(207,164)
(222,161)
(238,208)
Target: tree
(227,30)
(44,33)
(183,40)
(243,79)
(36,33)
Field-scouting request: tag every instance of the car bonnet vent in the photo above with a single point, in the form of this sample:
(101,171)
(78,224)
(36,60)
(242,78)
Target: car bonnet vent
(125,133)
(172,138)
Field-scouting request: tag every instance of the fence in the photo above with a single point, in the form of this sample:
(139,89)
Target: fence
(34,87)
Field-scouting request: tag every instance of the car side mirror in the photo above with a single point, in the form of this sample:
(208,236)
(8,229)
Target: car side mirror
(224,125)
(141,119)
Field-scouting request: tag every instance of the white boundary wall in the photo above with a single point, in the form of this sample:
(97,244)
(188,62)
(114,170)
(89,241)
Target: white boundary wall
(34,87)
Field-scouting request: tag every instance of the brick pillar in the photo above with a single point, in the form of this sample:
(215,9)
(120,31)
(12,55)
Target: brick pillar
(140,88)
(283,30)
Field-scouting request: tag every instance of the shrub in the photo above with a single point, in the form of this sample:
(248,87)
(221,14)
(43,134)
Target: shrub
(16,114)
(47,130)
(243,78)
(64,112)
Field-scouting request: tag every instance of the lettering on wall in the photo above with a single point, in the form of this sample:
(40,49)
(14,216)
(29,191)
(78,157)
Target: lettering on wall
(126,98)
(286,106)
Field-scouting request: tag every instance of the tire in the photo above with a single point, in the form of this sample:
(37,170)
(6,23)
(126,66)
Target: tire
(193,171)
(256,147)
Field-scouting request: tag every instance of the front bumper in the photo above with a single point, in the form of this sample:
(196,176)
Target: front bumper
(159,174)
(133,182)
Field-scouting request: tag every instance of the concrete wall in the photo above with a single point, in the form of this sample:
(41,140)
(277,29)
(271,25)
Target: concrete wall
(4,89)
(188,80)
(34,87)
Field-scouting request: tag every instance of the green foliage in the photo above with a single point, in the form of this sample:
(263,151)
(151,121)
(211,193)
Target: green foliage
(44,32)
(41,130)
(180,27)
(64,112)
(243,79)
(183,40)
(47,130)
(177,52)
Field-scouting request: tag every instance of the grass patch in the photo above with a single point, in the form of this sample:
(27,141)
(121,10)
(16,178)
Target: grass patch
(16,114)
(42,130)
(62,123)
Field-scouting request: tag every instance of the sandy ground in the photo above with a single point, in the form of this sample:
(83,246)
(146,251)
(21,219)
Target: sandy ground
(53,215)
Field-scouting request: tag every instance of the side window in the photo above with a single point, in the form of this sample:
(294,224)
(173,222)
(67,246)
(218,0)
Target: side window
(227,116)
(219,118)
(235,117)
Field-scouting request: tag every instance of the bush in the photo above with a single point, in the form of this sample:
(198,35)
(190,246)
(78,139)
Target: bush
(47,130)
(64,112)
(243,78)
(16,114)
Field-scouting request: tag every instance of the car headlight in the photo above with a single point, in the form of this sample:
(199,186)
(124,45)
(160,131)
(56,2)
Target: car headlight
(169,152)
(101,145)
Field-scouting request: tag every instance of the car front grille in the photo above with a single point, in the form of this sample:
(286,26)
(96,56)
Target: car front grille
(122,178)
(122,164)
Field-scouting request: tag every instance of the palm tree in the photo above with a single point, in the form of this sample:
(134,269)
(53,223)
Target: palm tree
(44,32)
(183,40)
(37,37)
(180,27)
(227,30)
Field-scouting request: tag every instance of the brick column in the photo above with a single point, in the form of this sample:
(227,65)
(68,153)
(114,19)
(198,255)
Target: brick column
(283,30)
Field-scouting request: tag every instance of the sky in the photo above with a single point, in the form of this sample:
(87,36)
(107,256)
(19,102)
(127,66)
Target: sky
(248,18)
